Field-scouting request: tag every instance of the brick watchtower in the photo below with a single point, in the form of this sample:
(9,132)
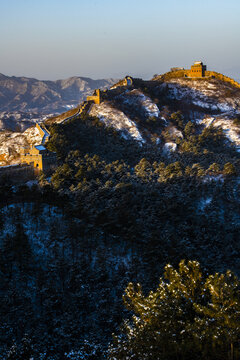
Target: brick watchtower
(197,70)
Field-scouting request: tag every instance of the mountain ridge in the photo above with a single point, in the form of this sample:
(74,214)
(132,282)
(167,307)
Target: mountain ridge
(46,96)
(145,175)
(146,112)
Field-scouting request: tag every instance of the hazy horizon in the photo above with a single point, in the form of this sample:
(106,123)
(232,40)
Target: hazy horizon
(55,40)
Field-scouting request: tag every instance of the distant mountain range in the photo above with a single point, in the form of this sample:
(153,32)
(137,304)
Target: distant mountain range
(32,95)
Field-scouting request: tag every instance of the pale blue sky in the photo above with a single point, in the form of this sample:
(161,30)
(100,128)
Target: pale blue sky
(55,39)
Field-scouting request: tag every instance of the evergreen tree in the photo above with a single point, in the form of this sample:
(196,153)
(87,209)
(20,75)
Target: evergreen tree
(229,169)
(188,316)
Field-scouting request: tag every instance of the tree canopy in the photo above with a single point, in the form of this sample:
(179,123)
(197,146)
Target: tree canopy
(191,315)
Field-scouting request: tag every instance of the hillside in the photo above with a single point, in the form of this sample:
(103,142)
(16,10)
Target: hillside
(147,177)
(146,107)
(145,112)
(19,121)
(32,95)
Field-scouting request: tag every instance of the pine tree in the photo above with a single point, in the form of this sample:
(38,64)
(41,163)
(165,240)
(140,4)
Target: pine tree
(218,320)
(229,169)
(189,316)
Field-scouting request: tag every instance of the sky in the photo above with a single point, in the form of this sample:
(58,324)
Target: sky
(56,39)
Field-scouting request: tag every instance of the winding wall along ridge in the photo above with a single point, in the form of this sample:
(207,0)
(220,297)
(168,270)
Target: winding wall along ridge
(208,74)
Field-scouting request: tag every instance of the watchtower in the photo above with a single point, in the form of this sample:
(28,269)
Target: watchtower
(128,81)
(197,70)
(96,97)
(34,156)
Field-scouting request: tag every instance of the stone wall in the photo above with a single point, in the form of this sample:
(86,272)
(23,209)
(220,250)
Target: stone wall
(172,75)
(41,132)
(127,81)
(31,156)
(222,77)
(84,106)
(16,174)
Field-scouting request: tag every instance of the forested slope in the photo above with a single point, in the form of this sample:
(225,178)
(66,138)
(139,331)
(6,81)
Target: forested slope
(116,210)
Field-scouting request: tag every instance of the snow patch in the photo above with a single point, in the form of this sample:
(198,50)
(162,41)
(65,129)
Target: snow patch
(210,178)
(204,94)
(117,119)
(136,97)
(174,132)
(231,131)
(204,203)
(169,147)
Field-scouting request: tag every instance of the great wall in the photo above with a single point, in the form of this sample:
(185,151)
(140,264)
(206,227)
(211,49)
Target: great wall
(41,159)
(38,156)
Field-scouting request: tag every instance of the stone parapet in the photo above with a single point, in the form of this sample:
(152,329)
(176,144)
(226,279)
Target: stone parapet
(222,77)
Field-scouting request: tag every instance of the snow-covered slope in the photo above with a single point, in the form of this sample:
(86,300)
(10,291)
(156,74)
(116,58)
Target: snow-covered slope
(18,120)
(136,98)
(122,112)
(230,130)
(117,119)
(208,102)
(141,117)
(206,94)
(142,112)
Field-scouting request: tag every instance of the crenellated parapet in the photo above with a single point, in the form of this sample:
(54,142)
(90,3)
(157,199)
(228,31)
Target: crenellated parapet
(44,133)
(85,105)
